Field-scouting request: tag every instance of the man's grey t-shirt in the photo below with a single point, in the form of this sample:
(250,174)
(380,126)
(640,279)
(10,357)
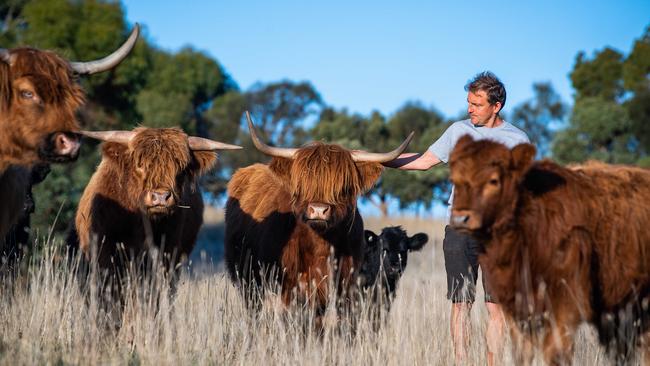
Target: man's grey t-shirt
(505,133)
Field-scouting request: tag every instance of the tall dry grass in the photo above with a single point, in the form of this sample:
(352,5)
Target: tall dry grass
(45,318)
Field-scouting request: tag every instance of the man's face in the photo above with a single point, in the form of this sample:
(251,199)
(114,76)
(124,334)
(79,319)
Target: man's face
(479,109)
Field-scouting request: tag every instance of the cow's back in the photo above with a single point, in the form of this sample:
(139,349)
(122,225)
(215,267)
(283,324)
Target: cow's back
(258,219)
(601,209)
(621,237)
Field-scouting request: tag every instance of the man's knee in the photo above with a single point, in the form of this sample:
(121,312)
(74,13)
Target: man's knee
(461,270)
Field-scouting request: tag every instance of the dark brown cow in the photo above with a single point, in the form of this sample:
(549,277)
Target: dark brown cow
(144,195)
(39,96)
(287,217)
(562,245)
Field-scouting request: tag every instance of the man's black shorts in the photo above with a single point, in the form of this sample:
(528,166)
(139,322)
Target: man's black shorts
(461,262)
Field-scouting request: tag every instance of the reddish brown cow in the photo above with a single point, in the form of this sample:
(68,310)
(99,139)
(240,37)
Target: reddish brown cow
(144,195)
(284,219)
(39,96)
(562,245)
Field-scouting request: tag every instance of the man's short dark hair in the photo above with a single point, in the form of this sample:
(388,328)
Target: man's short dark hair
(491,85)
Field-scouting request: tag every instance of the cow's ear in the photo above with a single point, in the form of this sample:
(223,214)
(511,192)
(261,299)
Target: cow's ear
(371,238)
(522,157)
(370,173)
(114,150)
(463,142)
(281,167)
(417,241)
(204,160)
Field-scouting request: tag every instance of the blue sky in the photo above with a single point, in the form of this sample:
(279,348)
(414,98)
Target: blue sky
(376,55)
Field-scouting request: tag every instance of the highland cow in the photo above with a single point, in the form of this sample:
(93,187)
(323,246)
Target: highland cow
(294,222)
(563,246)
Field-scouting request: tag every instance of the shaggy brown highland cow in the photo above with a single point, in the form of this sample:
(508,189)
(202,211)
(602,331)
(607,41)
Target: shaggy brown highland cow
(285,219)
(563,246)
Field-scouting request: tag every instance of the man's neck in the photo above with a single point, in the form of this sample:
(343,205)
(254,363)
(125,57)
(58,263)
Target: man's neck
(495,121)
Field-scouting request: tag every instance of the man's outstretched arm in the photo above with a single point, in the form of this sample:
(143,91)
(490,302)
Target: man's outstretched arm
(413,161)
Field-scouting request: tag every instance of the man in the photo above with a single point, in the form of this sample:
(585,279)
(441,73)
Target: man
(485,98)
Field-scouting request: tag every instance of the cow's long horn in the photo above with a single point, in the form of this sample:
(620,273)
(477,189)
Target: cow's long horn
(364,156)
(199,143)
(280,152)
(122,137)
(110,61)
(4,55)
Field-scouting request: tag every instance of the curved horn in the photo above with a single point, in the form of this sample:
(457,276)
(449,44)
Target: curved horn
(364,156)
(4,55)
(199,143)
(280,152)
(110,61)
(122,137)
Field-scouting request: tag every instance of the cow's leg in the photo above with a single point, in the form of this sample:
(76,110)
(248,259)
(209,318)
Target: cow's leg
(319,282)
(558,342)
(522,344)
(645,349)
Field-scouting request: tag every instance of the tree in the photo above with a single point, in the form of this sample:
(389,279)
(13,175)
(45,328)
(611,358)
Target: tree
(225,120)
(279,111)
(419,188)
(636,78)
(599,129)
(611,113)
(279,107)
(180,89)
(599,77)
(10,21)
(339,127)
(536,116)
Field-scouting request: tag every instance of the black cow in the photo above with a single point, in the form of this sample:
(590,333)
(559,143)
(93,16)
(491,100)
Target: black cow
(385,260)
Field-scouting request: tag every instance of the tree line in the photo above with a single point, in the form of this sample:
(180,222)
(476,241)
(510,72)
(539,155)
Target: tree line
(609,118)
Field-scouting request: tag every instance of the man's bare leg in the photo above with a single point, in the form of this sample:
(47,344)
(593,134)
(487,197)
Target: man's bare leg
(460,329)
(494,335)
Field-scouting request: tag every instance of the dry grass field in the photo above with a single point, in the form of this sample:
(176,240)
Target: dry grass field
(45,319)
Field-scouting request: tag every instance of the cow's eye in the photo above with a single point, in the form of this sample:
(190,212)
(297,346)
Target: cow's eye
(493,182)
(26,94)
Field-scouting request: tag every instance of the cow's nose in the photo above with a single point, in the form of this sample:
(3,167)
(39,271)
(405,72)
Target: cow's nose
(318,211)
(66,144)
(159,197)
(459,219)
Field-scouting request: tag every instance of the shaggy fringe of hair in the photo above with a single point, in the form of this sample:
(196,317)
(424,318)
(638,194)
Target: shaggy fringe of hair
(50,75)
(337,173)
(158,152)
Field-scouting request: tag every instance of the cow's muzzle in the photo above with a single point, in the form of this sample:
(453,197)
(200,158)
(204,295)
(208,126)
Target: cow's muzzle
(61,147)
(318,215)
(465,220)
(318,211)
(159,200)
